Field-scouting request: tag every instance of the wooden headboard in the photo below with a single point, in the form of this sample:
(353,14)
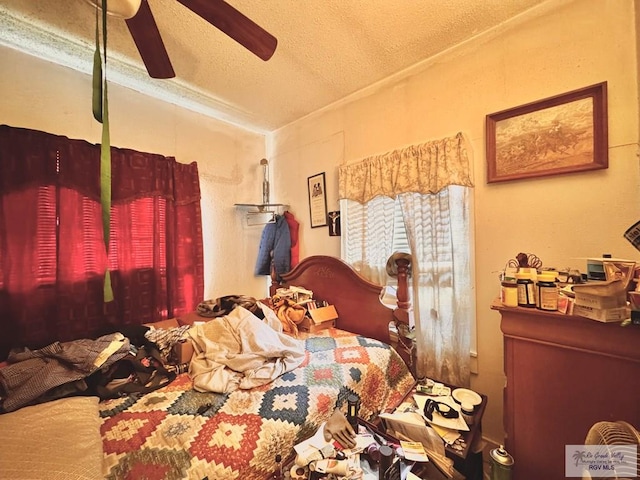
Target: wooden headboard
(357,300)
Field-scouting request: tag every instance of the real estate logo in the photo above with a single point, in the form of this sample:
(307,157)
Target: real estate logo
(601,461)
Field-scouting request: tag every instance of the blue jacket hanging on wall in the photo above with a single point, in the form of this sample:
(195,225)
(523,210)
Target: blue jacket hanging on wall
(275,243)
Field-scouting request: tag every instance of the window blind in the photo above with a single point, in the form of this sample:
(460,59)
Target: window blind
(400,238)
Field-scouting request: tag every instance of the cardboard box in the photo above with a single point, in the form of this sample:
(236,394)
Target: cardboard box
(192,318)
(169,323)
(603,289)
(319,319)
(183,351)
(602,315)
(616,300)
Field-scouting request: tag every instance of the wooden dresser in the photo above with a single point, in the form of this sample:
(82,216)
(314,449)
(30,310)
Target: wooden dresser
(563,374)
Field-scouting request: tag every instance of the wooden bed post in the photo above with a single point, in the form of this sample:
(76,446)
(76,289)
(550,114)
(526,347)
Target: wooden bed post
(406,343)
(275,282)
(403,267)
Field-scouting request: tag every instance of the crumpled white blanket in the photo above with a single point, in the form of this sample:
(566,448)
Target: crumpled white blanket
(240,351)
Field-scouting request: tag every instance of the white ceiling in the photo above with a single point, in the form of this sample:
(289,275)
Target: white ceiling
(327,49)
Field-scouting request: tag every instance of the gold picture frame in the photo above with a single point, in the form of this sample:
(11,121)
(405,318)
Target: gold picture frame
(561,134)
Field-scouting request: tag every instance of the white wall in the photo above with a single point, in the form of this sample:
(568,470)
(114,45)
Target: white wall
(562,46)
(47,97)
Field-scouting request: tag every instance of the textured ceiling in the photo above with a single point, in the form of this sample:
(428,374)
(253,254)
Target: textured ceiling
(327,49)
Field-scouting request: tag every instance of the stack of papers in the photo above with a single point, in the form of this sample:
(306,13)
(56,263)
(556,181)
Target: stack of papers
(408,423)
(414,451)
(410,426)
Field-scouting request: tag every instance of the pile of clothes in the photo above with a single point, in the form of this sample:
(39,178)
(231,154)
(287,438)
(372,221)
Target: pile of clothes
(288,312)
(240,350)
(60,369)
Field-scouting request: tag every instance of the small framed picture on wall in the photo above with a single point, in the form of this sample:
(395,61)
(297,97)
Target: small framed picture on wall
(317,200)
(334,223)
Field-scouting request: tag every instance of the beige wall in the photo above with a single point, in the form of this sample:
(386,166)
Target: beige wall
(564,45)
(560,47)
(43,96)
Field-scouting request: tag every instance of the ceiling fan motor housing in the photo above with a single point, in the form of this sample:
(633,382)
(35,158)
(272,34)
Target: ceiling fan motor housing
(119,8)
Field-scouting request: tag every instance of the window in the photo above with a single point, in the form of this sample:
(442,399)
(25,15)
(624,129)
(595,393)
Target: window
(432,183)
(52,254)
(437,227)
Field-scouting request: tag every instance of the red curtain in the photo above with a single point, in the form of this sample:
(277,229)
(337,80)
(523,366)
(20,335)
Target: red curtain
(52,255)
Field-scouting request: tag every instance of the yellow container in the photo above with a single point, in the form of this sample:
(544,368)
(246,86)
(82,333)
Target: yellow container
(509,294)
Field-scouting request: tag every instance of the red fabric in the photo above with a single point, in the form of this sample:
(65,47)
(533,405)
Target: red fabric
(293,232)
(52,255)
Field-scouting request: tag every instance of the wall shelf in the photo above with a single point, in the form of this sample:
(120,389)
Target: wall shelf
(262,207)
(265,212)
(262,213)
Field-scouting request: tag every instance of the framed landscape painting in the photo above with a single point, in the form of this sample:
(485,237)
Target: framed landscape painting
(561,134)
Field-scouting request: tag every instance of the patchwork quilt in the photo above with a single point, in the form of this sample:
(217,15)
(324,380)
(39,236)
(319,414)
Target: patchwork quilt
(178,433)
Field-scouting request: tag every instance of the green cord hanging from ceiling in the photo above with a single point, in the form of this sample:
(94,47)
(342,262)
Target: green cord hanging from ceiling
(101,114)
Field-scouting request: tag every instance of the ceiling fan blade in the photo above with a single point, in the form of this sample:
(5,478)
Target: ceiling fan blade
(147,38)
(236,25)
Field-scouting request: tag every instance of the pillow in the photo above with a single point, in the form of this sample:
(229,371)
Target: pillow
(58,440)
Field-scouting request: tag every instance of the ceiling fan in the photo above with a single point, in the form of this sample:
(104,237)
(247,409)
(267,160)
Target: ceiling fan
(218,13)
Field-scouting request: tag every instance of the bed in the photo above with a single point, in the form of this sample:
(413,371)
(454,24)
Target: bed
(177,432)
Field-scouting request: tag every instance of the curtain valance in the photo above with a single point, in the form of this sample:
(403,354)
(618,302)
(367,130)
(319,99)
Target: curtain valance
(425,168)
(75,164)
(138,175)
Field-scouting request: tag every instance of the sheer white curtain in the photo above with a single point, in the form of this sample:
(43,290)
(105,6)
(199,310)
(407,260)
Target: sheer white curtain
(438,230)
(432,183)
